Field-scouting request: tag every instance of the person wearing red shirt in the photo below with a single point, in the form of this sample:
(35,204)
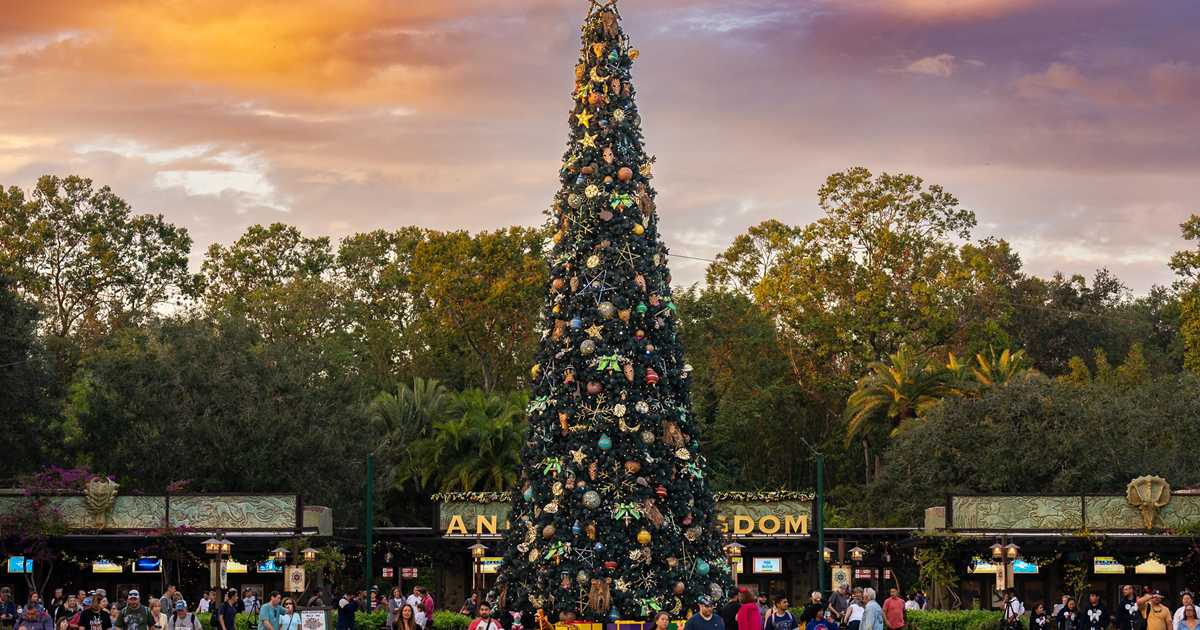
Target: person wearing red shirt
(893,611)
(749,616)
(484,621)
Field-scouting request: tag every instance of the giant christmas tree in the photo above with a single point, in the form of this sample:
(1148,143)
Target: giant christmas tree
(614,517)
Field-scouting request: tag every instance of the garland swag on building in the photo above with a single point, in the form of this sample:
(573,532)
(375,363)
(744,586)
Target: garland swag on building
(614,517)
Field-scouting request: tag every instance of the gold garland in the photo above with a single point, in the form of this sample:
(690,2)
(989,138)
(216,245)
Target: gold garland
(764,496)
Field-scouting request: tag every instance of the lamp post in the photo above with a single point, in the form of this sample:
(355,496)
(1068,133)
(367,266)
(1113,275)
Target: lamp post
(1004,554)
(308,554)
(819,514)
(733,551)
(477,551)
(218,547)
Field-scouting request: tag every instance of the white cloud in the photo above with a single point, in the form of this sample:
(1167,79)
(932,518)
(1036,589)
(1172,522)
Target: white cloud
(943,65)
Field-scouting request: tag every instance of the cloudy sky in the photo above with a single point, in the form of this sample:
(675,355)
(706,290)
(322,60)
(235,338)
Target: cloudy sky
(1071,127)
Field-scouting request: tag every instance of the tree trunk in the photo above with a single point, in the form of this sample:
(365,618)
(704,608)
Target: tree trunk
(866,461)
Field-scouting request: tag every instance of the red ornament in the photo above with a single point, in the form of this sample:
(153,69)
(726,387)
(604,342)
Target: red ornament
(625,173)
(661,491)
(687,520)
(610,564)
(639,334)
(651,376)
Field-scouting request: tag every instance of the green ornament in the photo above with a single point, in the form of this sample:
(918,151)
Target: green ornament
(641,308)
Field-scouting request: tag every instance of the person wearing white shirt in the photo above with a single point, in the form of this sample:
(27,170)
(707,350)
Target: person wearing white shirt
(1185,599)
(854,612)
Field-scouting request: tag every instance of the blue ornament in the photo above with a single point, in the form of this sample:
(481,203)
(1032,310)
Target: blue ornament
(613,615)
(613,55)
(604,442)
(576,323)
(599,546)
(576,529)
(701,567)
(580,179)
(528,494)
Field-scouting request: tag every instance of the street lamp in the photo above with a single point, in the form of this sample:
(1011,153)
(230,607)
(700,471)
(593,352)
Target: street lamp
(309,554)
(1004,554)
(477,551)
(217,546)
(280,554)
(857,553)
(827,554)
(733,550)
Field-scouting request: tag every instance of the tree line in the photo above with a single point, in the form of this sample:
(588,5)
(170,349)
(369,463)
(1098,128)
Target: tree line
(285,359)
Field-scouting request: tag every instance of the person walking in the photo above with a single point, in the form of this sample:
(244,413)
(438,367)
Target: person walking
(854,612)
(1185,599)
(1158,616)
(706,617)
(406,619)
(135,616)
(160,618)
(347,607)
(872,612)
(748,617)
(35,617)
(271,611)
(729,612)
(93,616)
(1188,621)
(1068,617)
(810,609)
(290,619)
(226,617)
(1039,619)
(780,618)
(839,601)
(1126,617)
(182,619)
(893,610)
(484,621)
(1095,616)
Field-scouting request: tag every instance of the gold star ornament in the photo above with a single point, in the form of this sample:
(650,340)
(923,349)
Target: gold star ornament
(584,119)
(595,331)
(589,140)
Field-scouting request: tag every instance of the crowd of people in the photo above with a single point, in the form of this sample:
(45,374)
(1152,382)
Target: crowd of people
(1138,609)
(845,609)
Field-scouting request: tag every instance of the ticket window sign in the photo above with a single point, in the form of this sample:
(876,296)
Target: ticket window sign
(1107,565)
(106,566)
(1022,567)
(148,564)
(1151,567)
(768,565)
(489,564)
(20,564)
(233,566)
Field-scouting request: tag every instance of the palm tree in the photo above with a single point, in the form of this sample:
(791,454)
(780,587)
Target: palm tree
(402,418)
(895,393)
(477,447)
(1000,370)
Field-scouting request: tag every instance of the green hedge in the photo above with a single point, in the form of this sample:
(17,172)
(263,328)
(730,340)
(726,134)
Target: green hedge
(447,620)
(243,621)
(442,620)
(954,619)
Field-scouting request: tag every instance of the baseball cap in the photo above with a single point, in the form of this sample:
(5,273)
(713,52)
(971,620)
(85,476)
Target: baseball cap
(87,601)
(134,594)
(180,605)
(704,601)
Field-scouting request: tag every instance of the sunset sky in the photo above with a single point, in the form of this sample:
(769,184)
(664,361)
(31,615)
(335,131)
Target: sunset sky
(1071,127)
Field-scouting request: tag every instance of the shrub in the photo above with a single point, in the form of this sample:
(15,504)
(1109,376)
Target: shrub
(953,619)
(371,620)
(446,620)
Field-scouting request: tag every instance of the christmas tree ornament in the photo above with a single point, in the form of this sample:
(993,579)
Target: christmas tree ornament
(587,347)
(576,528)
(604,442)
(548,531)
(625,173)
(598,49)
(591,499)
(584,118)
(607,310)
(634,54)
(594,388)
(639,229)
(702,567)
(643,537)
(651,376)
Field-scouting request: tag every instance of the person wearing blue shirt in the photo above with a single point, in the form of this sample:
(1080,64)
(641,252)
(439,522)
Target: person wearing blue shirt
(706,619)
(269,614)
(872,612)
